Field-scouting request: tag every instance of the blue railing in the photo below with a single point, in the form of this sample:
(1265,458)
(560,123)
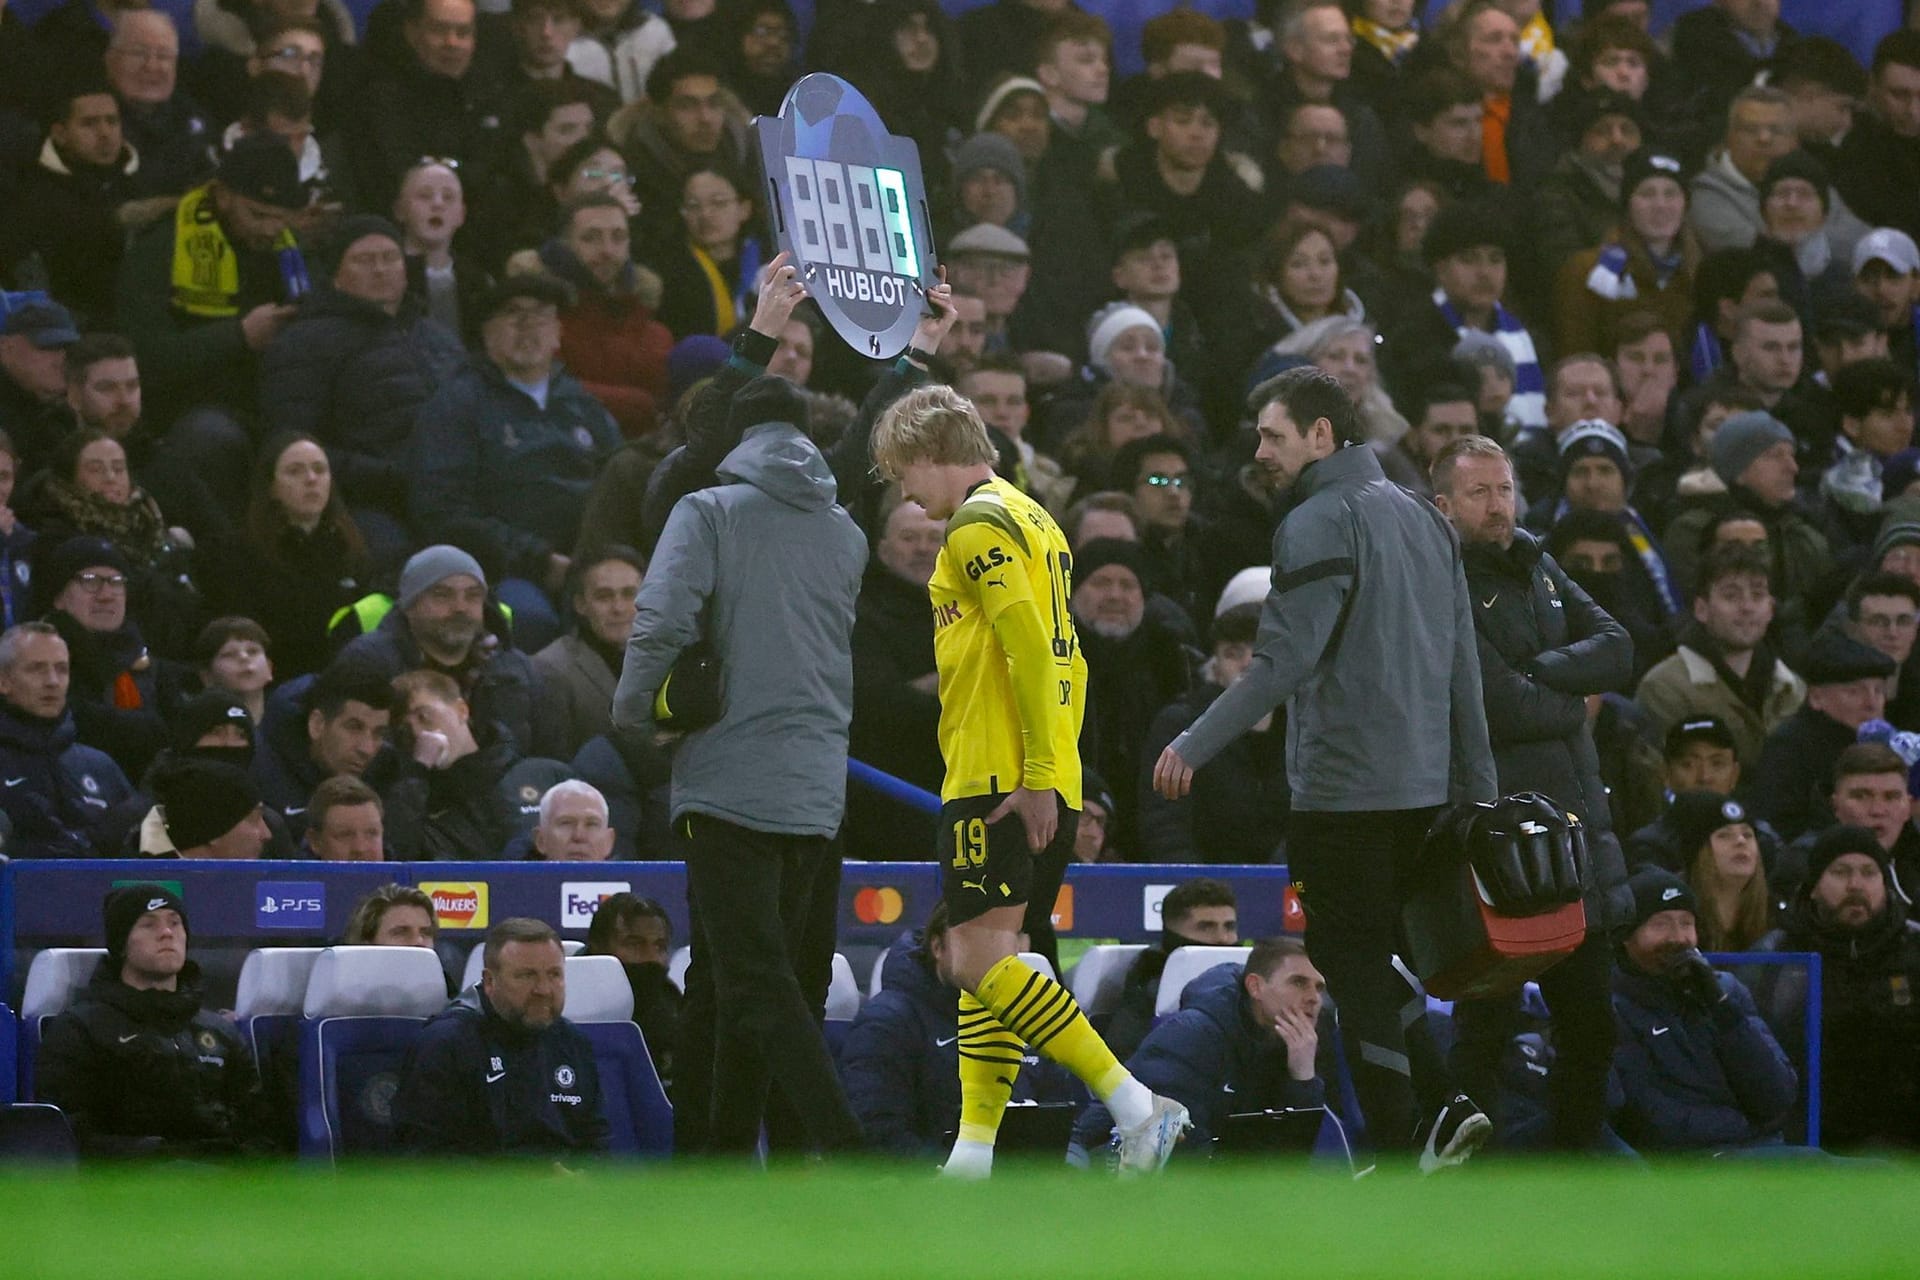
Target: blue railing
(1811,961)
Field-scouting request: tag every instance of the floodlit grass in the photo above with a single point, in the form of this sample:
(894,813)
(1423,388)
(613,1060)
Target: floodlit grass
(1600,1219)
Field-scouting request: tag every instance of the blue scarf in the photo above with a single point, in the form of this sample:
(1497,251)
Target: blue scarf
(1529,404)
(1707,354)
(1646,550)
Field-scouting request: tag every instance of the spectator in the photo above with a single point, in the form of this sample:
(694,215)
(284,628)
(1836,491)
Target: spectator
(1312,134)
(1466,246)
(1725,667)
(1880,155)
(1645,263)
(517,209)
(1016,108)
(463,789)
(759,53)
(355,368)
(1698,755)
(1137,663)
(1875,403)
(430,210)
(66,789)
(1345,347)
(1883,612)
(500,1071)
(1096,811)
(120,693)
(280,102)
(688,120)
(578,671)
(394,915)
(636,932)
(1440,412)
(997,385)
(900,1061)
(768,543)
(1827,85)
(16,540)
(1721,860)
(231,654)
(1851,912)
(1701,1071)
(1581,197)
(1725,211)
(69,203)
(1646,360)
(1244,1040)
(1542,654)
(1237,812)
(33,343)
(431,100)
(200,332)
(210,809)
(990,184)
(1846,687)
(1871,789)
(573,825)
(1581,388)
(1443,113)
(347,823)
(609,338)
(1315,64)
(1201,912)
(1481,40)
(1726,43)
(506,451)
(993,264)
(896,692)
(244,41)
(138,1066)
(1596,471)
(711,264)
(336,726)
(619,44)
(1296,281)
(165,127)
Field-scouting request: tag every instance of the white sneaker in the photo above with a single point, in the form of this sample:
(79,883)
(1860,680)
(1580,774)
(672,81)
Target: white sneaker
(1458,1131)
(1145,1147)
(969,1162)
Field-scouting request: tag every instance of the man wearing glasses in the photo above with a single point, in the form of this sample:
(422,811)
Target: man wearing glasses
(507,451)
(165,127)
(1725,204)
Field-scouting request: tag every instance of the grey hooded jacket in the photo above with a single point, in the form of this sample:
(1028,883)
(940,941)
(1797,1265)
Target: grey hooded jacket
(1367,636)
(767,568)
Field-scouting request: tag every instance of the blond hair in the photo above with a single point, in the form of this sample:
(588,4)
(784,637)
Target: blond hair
(931,424)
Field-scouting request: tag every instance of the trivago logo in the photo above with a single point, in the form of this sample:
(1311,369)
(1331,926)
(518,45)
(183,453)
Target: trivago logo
(878,904)
(458,904)
(579,900)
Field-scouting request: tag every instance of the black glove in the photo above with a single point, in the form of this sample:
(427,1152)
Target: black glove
(1696,981)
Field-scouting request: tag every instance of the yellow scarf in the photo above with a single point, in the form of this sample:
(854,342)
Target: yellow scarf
(1393,45)
(1536,40)
(724,316)
(206,273)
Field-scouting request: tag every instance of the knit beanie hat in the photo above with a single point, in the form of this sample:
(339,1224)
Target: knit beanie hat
(206,712)
(1656,889)
(1462,226)
(1108,324)
(767,398)
(991,151)
(1249,586)
(1798,164)
(357,228)
(60,564)
(428,568)
(1840,841)
(1741,439)
(202,800)
(1902,534)
(1645,164)
(1595,438)
(691,360)
(125,904)
(1101,552)
(1696,815)
(999,94)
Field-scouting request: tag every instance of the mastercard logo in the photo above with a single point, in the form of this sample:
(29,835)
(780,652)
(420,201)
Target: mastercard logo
(1063,909)
(881,905)
(458,904)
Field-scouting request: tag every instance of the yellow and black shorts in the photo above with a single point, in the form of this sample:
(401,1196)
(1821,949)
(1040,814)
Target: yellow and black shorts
(983,867)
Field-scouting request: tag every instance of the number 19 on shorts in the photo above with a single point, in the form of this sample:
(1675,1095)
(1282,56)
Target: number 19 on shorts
(969,843)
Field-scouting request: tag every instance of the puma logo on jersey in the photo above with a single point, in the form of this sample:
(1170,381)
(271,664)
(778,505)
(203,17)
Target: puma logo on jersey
(1000,581)
(981,885)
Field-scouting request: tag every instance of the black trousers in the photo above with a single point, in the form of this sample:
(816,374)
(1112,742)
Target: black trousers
(1579,995)
(756,983)
(1347,868)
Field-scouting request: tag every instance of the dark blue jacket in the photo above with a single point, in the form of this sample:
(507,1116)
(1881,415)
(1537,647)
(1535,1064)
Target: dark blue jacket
(636,778)
(1211,1058)
(1694,1079)
(500,689)
(54,791)
(474,1084)
(489,464)
(900,1063)
(356,377)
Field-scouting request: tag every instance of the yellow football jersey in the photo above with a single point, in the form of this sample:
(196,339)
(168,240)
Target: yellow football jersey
(1012,679)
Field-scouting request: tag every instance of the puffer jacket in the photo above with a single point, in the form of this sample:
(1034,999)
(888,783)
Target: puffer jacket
(150,1073)
(1545,645)
(55,793)
(500,685)
(472,808)
(900,1062)
(355,378)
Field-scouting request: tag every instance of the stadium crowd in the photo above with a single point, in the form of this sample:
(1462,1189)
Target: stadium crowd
(353,361)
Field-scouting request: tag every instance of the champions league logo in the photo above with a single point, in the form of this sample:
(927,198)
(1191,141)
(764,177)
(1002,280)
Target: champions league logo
(850,207)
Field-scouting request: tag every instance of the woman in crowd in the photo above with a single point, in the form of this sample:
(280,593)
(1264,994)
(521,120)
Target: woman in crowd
(709,269)
(1647,264)
(1345,347)
(1724,870)
(1119,413)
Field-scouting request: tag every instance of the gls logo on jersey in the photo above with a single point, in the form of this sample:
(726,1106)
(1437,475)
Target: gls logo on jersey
(290,904)
(579,900)
(849,205)
(981,565)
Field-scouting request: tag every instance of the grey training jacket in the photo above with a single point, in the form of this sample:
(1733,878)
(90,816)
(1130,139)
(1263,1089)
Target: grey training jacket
(1367,636)
(774,565)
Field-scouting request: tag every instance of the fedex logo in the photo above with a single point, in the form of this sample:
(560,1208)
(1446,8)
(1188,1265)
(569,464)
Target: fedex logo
(1151,899)
(290,904)
(579,900)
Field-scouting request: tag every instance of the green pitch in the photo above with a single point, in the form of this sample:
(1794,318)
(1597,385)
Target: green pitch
(1596,1219)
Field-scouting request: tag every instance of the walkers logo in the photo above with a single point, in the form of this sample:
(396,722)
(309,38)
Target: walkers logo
(290,904)
(850,206)
(458,904)
(878,905)
(579,900)
(1154,895)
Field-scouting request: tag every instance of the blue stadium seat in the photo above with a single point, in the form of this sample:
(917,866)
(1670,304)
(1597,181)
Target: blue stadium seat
(600,1004)
(477,958)
(1183,966)
(1100,976)
(364,1008)
(37,1132)
(55,980)
(9,1055)
(267,1007)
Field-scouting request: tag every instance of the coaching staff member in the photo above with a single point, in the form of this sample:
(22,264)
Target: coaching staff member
(1545,647)
(1367,637)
